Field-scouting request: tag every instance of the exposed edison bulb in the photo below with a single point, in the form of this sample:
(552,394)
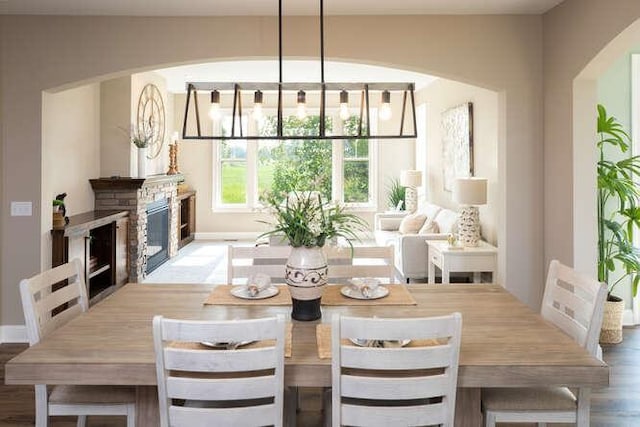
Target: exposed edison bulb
(214,111)
(385,106)
(257,106)
(344,105)
(301,110)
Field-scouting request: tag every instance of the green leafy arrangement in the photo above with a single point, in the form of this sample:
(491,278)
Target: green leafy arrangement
(308,221)
(142,136)
(395,193)
(616,185)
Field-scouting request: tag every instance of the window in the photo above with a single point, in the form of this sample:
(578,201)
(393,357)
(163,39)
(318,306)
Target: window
(340,170)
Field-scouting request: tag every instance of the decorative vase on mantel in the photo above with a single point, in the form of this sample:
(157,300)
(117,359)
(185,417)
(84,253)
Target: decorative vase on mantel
(142,162)
(306,274)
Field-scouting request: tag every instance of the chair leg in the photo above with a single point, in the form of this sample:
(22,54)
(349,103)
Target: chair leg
(290,406)
(131,415)
(489,419)
(42,406)
(82,421)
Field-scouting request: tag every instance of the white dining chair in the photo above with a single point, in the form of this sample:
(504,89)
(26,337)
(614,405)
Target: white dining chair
(361,261)
(47,307)
(574,303)
(246,261)
(395,386)
(201,386)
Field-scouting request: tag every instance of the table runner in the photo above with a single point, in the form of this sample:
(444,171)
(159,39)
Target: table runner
(221,295)
(398,295)
(257,344)
(323,338)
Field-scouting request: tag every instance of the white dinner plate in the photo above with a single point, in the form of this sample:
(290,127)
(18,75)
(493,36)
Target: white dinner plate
(225,345)
(379,343)
(379,292)
(243,292)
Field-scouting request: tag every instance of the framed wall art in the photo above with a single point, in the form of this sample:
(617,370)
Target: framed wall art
(457,143)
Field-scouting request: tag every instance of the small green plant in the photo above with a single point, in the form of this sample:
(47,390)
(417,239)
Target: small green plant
(142,136)
(616,186)
(395,193)
(306,220)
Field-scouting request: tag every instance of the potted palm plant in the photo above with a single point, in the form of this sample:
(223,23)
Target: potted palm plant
(618,215)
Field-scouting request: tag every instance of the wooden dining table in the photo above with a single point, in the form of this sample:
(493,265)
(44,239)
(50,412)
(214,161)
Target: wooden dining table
(504,343)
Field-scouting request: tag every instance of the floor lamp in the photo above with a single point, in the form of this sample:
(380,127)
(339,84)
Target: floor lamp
(411,179)
(469,192)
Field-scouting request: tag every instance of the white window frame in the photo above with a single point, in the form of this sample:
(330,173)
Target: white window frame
(337,169)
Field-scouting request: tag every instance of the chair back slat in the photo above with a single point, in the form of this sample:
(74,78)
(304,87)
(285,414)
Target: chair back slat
(376,416)
(360,387)
(220,360)
(574,302)
(219,387)
(430,357)
(246,261)
(219,331)
(46,309)
(395,386)
(250,416)
(362,261)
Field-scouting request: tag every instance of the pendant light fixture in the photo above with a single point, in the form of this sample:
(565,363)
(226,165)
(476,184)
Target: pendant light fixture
(405,127)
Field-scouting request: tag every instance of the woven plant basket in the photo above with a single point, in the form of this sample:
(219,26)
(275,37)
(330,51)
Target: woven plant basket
(611,332)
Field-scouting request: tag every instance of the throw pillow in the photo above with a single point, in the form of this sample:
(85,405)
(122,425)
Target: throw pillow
(411,223)
(429,227)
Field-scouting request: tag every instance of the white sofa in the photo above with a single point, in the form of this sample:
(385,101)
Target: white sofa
(411,250)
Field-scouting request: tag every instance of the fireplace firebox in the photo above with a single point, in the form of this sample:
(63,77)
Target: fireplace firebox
(157,234)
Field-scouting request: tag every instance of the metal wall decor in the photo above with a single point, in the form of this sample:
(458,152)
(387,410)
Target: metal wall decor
(405,128)
(150,118)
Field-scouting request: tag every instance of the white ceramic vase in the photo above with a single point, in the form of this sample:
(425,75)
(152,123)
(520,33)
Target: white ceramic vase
(306,274)
(142,162)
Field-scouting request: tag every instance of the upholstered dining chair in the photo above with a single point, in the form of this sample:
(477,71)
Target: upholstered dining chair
(368,387)
(232,386)
(574,303)
(47,307)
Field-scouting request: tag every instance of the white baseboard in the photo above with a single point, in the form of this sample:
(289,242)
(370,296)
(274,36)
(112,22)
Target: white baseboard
(13,333)
(627,318)
(237,235)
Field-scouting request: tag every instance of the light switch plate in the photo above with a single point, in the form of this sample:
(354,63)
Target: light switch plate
(21,208)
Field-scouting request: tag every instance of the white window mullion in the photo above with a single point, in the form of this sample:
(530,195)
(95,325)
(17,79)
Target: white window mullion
(337,158)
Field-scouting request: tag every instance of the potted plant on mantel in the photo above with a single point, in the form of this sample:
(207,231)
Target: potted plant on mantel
(618,215)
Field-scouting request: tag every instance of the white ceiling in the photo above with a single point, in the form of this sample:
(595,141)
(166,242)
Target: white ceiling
(293,71)
(270,7)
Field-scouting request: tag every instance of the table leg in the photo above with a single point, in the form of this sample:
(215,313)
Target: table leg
(431,268)
(147,410)
(468,409)
(445,275)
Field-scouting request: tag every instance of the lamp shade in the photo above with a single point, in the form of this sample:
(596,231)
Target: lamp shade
(411,178)
(470,191)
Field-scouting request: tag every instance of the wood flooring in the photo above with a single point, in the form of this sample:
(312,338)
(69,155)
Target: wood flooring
(616,406)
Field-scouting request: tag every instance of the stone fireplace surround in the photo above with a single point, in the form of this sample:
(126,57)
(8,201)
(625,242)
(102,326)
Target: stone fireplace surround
(133,195)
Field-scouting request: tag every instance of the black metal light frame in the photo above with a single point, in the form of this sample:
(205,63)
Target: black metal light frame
(364,128)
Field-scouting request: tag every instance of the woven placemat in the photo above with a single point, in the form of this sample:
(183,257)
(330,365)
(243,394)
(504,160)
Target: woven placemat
(221,295)
(323,338)
(257,344)
(398,295)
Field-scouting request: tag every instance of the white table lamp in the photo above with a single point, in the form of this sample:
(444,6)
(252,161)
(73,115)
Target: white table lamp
(411,179)
(469,192)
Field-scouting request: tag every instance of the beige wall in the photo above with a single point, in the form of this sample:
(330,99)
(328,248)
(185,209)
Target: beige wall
(439,97)
(575,32)
(115,122)
(502,53)
(70,153)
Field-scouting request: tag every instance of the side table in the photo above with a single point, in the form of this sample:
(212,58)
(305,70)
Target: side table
(476,260)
